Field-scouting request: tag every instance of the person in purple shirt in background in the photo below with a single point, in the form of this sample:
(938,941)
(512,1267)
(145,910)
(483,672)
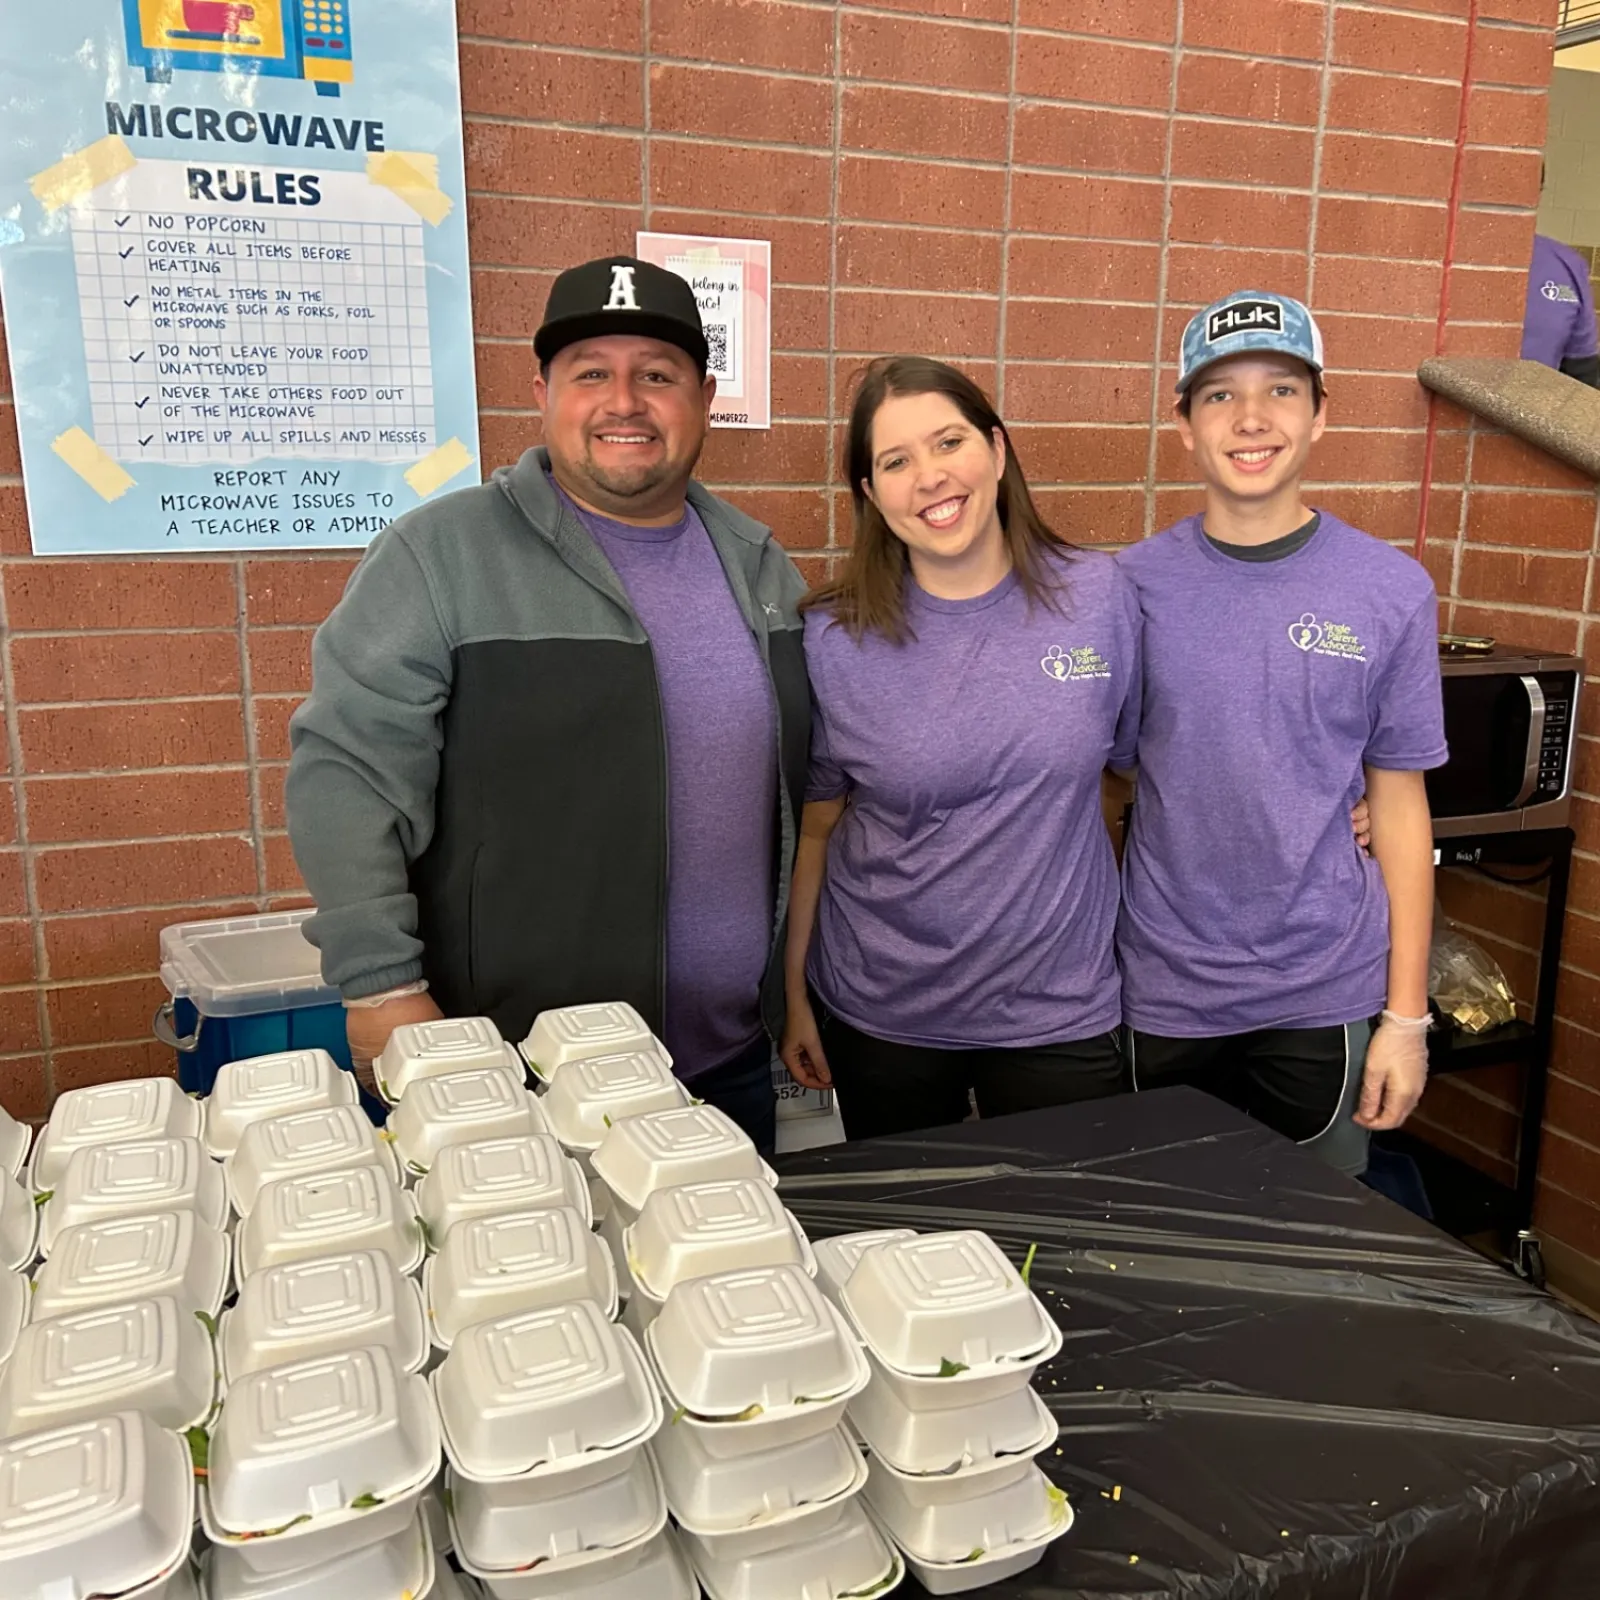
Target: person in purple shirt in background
(1559,326)
(1289,661)
(955,890)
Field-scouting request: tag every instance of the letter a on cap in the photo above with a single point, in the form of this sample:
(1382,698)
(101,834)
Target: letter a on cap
(622,297)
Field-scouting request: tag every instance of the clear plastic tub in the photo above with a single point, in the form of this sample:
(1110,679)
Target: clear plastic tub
(328,1212)
(302,1142)
(575,1033)
(951,1438)
(403,1564)
(108,1113)
(584,1100)
(484,1103)
(143,1355)
(694,1144)
(701,1228)
(488,1177)
(942,1299)
(318,1438)
(19,1225)
(134,1178)
(96,1507)
(509,1526)
(272,1086)
(761,1340)
(837,1257)
(942,1520)
(829,1553)
(135,1258)
(15,1137)
(711,1494)
(517,1261)
(15,1293)
(543,1392)
(418,1050)
(323,1305)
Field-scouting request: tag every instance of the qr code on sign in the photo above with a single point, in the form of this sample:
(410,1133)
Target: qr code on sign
(719,362)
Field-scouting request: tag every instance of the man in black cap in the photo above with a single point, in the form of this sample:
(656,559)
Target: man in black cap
(556,740)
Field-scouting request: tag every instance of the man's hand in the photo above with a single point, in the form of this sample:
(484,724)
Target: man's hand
(1396,1072)
(368,1028)
(801,1050)
(1361,822)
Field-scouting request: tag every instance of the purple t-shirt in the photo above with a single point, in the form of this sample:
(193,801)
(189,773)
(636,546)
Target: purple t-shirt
(1559,324)
(722,777)
(971,891)
(1267,685)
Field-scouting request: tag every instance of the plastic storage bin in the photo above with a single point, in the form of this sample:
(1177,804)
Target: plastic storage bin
(244,986)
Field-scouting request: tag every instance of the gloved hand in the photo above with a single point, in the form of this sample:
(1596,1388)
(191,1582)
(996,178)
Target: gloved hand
(1396,1071)
(367,1028)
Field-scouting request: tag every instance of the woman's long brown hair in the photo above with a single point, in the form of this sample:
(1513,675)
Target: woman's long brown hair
(869,594)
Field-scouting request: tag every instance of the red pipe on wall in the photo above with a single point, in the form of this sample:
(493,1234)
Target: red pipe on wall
(1426,494)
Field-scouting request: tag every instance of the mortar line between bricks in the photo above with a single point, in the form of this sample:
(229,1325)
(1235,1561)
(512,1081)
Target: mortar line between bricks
(1324,96)
(30,886)
(646,59)
(1001,289)
(1163,266)
(252,744)
(831,464)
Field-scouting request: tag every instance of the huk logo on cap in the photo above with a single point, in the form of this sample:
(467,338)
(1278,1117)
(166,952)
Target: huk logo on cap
(622,295)
(1244,316)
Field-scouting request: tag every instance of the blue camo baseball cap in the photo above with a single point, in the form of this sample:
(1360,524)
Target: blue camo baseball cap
(1249,320)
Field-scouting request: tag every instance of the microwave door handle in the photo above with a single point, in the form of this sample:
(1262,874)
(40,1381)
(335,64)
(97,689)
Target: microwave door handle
(1530,769)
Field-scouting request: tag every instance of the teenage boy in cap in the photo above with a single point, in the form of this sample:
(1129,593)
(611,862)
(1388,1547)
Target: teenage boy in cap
(557,733)
(1290,662)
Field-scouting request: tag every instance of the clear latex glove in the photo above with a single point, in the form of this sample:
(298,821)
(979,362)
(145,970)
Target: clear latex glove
(367,1027)
(1396,1071)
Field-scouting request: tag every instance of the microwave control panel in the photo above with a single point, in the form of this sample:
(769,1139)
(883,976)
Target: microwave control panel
(1559,690)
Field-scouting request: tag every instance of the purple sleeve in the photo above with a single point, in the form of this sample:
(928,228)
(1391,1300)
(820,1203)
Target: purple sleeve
(1585,340)
(1125,742)
(1408,701)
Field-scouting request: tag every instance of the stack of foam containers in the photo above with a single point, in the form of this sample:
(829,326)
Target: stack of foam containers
(950,1422)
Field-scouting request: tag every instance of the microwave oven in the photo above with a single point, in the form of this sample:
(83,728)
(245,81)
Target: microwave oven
(1510,718)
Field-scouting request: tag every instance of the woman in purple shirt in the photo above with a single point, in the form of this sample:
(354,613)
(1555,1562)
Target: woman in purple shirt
(955,890)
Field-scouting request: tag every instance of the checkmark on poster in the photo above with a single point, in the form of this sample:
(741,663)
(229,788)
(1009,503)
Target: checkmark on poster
(139,405)
(147,441)
(133,302)
(137,359)
(124,254)
(122,222)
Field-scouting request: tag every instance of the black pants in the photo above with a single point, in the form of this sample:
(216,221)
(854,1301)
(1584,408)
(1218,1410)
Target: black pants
(900,1088)
(743,1089)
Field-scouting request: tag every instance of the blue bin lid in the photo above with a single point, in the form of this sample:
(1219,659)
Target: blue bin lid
(238,966)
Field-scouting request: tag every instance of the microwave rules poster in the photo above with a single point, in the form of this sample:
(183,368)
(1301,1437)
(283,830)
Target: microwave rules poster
(233,253)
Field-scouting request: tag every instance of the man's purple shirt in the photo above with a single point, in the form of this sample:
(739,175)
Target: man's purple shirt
(1559,324)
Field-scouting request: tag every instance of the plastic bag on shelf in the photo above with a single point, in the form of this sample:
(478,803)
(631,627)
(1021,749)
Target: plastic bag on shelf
(1466,982)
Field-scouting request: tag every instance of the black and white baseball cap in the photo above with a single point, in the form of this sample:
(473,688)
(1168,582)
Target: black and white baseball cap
(620,294)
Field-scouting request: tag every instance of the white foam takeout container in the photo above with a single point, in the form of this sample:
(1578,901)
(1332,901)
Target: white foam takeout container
(322,1305)
(587,1097)
(271,1086)
(19,1225)
(515,1261)
(359,1208)
(333,1452)
(950,1439)
(135,1258)
(300,1142)
(575,1033)
(448,1584)
(754,1360)
(402,1564)
(837,1257)
(146,1355)
(528,1172)
(559,1390)
(828,1552)
(941,1520)
(15,1292)
(652,1569)
(15,1137)
(483,1103)
(108,1113)
(983,1566)
(712,1494)
(697,1229)
(944,1299)
(418,1050)
(966,1389)
(134,1178)
(98,1507)
(693,1144)
(507,1526)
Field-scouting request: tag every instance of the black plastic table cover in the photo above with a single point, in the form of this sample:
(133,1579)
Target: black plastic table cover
(1274,1382)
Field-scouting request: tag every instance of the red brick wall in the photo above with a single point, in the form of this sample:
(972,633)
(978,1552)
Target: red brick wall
(1041,189)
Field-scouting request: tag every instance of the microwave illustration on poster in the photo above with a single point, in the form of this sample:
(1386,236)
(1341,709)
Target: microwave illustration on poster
(306,39)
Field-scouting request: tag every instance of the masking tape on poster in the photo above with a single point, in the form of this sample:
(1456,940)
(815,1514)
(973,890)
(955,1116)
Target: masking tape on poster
(439,468)
(413,176)
(92,464)
(76,175)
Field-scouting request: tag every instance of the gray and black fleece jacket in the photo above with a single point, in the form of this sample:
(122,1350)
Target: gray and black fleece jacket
(478,789)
